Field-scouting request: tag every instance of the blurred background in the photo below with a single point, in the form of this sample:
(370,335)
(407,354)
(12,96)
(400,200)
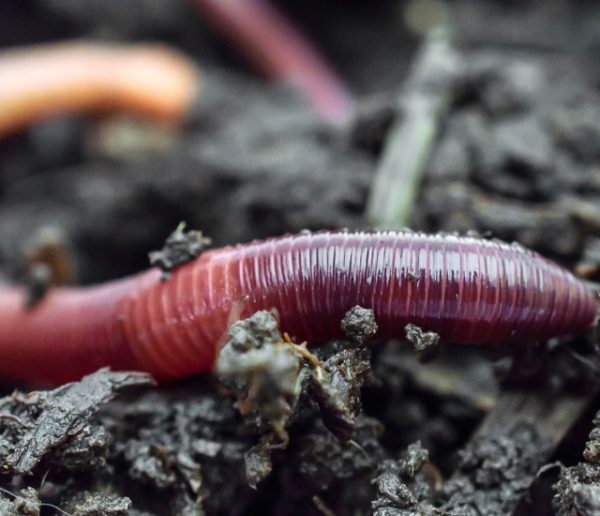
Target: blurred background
(250,119)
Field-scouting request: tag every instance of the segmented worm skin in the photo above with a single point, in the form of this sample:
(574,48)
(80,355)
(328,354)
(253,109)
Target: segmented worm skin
(466,289)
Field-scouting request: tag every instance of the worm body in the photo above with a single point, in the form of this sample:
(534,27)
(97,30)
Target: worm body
(42,81)
(465,289)
(280,51)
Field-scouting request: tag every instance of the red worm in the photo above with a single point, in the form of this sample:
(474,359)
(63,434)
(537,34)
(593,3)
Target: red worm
(466,289)
(279,51)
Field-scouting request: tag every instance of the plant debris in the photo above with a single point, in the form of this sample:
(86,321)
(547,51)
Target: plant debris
(49,263)
(49,246)
(180,247)
(42,422)
(37,284)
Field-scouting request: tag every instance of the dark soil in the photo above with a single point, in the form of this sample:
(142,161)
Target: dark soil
(517,157)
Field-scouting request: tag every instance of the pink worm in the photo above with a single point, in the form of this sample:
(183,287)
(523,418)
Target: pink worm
(465,289)
(279,51)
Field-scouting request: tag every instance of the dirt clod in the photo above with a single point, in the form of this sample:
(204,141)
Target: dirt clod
(337,389)
(262,370)
(421,340)
(494,472)
(180,247)
(24,503)
(401,489)
(98,504)
(578,488)
(274,380)
(359,324)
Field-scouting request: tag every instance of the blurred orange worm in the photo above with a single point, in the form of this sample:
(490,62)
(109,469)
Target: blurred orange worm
(42,81)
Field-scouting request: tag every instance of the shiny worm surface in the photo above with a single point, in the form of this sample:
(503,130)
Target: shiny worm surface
(466,289)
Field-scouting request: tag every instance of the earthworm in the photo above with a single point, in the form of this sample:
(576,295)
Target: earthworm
(41,81)
(465,289)
(280,51)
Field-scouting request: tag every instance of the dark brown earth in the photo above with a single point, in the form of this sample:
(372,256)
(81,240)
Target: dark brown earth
(401,431)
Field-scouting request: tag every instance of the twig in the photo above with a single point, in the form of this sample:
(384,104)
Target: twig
(423,102)
(551,414)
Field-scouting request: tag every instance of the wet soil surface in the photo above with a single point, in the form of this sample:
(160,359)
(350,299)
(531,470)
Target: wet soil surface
(351,427)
